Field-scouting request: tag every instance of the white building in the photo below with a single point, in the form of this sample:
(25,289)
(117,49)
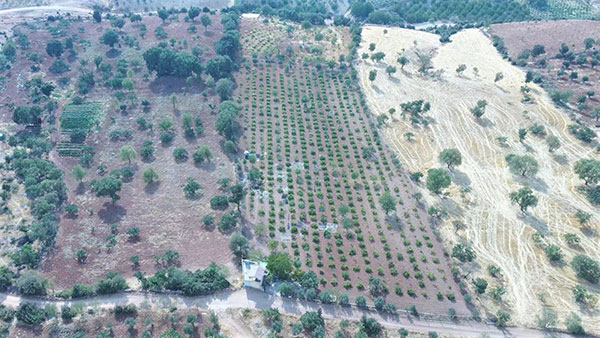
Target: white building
(254,273)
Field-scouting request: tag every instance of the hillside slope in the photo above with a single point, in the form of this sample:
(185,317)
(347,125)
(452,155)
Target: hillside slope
(478,197)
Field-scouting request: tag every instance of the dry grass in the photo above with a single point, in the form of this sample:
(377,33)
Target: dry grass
(499,233)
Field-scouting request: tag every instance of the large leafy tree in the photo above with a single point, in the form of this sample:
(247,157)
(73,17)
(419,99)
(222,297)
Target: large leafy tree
(387,201)
(165,61)
(107,186)
(524,165)
(55,48)
(450,157)
(279,264)
(226,124)
(588,170)
(238,244)
(228,44)
(109,38)
(219,66)
(437,179)
(27,115)
(524,197)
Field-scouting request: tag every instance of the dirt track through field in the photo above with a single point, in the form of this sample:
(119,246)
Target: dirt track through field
(499,233)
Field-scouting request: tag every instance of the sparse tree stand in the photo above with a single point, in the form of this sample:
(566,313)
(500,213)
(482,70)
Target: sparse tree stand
(524,197)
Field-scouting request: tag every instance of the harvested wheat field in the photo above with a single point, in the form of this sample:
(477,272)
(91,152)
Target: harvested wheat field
(479,195)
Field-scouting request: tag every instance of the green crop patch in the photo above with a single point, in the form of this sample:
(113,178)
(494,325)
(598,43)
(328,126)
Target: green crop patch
(76,117)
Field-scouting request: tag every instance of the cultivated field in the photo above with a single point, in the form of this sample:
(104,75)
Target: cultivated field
(325,169)
(478,196)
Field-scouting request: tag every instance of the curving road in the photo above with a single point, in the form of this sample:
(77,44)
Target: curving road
(249,298)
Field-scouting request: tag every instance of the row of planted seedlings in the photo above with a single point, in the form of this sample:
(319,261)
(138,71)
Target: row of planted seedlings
(319,132)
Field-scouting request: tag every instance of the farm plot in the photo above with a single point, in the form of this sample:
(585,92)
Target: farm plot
(501,236)
(75,123)
(325,169)
(126,122)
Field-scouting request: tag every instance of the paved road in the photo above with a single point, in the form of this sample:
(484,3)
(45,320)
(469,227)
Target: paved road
(259,300)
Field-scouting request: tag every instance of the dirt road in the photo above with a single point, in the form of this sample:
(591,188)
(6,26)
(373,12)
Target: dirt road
(258,300)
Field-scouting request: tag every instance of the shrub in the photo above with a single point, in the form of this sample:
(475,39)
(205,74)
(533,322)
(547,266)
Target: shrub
(586,268)
(30,314)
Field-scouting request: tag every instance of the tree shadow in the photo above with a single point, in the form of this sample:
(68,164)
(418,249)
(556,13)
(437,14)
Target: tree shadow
(151,188)
(485,122)
(460,178)
(560,159)
(535,183)
(112,213)
(167,85)
(534,222)
(376,89)
(589,232)
(80,189)
(113,53)
(206,165)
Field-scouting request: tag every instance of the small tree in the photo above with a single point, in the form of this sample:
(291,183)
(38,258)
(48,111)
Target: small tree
(79,172)
(554,253)
(573,324)
(390,70)
(451,157)
(524,198)
(149,176)
(480,284)
(163,14)
(461,68)
(238,244)
(205,21)
(479,109)
(193,12)
(372,75)
(97,16)
(499,76)
(55,48)
(127,153)
(586,268)
(502,318)
(522,133)
(553,143)
(191,188)
(224,88)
